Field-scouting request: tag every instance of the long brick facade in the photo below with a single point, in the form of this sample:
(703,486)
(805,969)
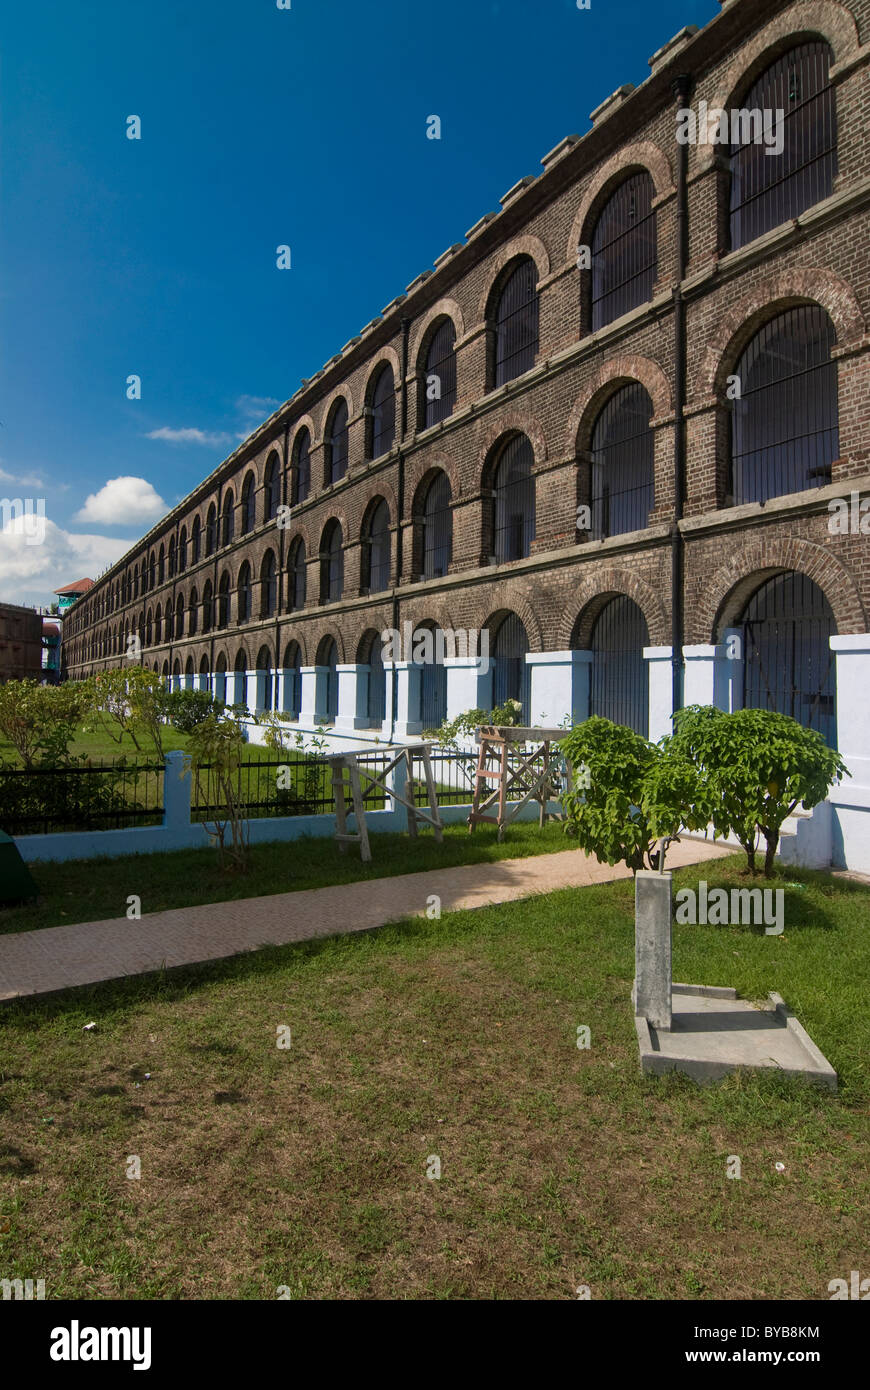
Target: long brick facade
(559,589)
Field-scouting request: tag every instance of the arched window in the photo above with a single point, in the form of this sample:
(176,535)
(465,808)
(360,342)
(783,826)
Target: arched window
(327,658)
(371,663)
(220,678)
(188,673)
(171,557)
(438,388)
(211,530)
(302,466)
(510,673)
(223,603)
(248,504)
(176,674)
(161,566)
(779,168)
(240,682)
(292,695)
(268,585)
(624,250)
(158,625)
(383,413)
(296,574)
(331,564)
(207,606)
(152,573)
(195,540)
(192,614)
(376,549)
(514,501)
(179,617)
(263,697)
(337,443)
(619,683)
(437,536)
(429,649)
(271,489)
(170,624)
(516,323)
(182,551)
(622,463)
(229,518)
(788,662)
(202,679)
(785,424)
(244,593)
(149,628)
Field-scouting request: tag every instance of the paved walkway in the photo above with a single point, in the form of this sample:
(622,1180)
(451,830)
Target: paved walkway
(87,953)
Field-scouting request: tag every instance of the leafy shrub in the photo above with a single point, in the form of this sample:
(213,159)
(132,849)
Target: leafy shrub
(187,708)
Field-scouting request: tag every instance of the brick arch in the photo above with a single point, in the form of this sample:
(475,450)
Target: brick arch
(428,463)
(386,356)
(513,598)
(644,154)
(516,421)
(445,308)
(380,488)
(519,246)
(808,18)
(334,634)
(434,608)
(340,392)
(335,514)
(591,595)
(299,639)
(300,531)
(616,372)
(729,589)
(304,422)
(774,294)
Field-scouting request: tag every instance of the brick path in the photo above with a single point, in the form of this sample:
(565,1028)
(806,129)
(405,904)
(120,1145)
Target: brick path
(87,953)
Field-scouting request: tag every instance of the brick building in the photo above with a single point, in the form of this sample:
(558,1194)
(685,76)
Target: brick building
(20,643)
(608,430)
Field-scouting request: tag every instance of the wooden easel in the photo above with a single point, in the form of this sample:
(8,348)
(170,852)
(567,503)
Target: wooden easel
(353,767)
(532,779)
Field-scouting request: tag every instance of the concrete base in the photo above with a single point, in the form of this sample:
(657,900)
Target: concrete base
(713,1033)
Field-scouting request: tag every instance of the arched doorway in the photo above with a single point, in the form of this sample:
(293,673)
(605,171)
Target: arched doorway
(788,663)
(619,683)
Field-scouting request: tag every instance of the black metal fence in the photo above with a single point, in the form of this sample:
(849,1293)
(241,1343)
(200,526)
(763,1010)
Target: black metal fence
(100,796)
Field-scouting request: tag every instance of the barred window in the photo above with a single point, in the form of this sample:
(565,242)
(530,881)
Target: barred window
(271,489)
(268,585)
(516,323)
(619,684)
(248,513)
(769,188)
(788,663)
(510,672)
(622,463)
(376,550)
(439,385)
(229,519)
(514,501)
(785,423)
(331,564)
(244,593)
(297,571)
(302,476)
(624,251)
(383,430)
(437,528)
(337,444)
(292,679)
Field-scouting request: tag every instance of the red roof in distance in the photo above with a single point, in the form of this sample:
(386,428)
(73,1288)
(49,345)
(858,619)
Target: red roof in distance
(81,586)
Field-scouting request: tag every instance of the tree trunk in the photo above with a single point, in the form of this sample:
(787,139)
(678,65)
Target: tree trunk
(772,837)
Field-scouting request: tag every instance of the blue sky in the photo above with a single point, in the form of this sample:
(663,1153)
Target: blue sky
(260,127)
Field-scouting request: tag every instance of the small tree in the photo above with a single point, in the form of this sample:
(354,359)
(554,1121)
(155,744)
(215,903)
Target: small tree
(40,721)
(217,746)
(632,794)
(111,708)
(755,767)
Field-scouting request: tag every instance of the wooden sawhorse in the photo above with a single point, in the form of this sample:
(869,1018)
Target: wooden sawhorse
(353,765)
(532,779)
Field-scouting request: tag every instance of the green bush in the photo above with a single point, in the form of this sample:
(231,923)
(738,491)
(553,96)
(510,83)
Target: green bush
(186,709)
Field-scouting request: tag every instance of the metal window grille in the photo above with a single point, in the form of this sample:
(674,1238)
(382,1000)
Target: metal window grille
(376,702)
(268,586)
(210,535)
(517,324)
(788,662)
(229,525)
(244,600)
(440,382)
(514,501)
(384,413)
(264,679)
(338,444)
(784,426)
(248,515)
(292,680)
(332,573)
(619,683)
(297,576)
(206,612)
(433,694)
(624,251)
(194,541)
(622,464)
(330,662)
(303,466)
(768,189)
(191,616)
(510,673)
(437,528)
(379,549)
(270,491)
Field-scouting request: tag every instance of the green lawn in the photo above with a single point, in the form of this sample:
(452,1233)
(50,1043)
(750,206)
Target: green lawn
(456,1038)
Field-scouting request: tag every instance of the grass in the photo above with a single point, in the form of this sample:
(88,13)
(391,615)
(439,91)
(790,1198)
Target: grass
(306,1167)
(94,889)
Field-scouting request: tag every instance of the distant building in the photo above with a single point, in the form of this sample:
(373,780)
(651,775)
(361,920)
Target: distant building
(67,596)
(51,629)
(20,643)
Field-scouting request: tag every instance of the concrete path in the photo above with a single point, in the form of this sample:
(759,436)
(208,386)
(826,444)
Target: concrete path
(87,953)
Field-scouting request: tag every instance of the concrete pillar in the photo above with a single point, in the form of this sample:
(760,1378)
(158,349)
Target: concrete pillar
(469,684)
(660,676)
(559,687)
(308,706)
(652,947)
(714,673)
(408,723)
(176,791)
(352,697)
(851,799)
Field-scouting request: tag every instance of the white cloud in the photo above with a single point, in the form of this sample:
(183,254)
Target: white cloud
(257,408)
(31,573)
(122,502)
(189,436)
(23,479)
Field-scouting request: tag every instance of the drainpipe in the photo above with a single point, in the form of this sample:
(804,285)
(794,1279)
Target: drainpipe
(681,89)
